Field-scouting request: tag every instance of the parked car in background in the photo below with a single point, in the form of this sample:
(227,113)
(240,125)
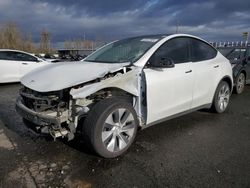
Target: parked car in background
(51,58)
(14,64)
(239,57)
(69,57)
(125,85)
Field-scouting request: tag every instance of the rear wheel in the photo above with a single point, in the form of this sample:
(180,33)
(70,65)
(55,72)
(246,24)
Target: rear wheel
(240,83)
(221,97)
(111,127)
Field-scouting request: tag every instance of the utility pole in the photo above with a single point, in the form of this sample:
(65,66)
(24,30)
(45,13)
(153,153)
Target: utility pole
(84,41)
(177,26)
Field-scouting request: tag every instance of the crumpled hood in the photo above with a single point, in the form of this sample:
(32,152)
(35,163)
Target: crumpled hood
(59,76)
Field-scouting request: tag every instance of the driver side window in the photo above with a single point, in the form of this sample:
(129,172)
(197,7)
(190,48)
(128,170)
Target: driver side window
(175,49)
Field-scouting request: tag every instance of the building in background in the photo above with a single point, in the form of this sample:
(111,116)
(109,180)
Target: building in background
(74,52)
(79,48)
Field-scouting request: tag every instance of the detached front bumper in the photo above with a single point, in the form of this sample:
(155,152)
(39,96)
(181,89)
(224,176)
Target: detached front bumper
(35,117)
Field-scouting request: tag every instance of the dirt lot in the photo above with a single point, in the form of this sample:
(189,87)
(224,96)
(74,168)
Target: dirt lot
(197,150)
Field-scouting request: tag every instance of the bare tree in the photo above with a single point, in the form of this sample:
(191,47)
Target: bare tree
(79,44)
(28,44)
(68,44)
(10,36)
(45,41)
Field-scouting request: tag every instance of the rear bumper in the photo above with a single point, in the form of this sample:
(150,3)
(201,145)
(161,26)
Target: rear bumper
(35,117)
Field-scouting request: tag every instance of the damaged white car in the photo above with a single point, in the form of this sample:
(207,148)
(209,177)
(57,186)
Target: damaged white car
(126,85)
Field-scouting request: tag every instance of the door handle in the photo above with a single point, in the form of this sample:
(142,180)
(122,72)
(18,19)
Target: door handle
(25,63)
(189,71)
(216,66)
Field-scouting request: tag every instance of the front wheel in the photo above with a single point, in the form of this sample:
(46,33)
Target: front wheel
(221,97)
(111,127)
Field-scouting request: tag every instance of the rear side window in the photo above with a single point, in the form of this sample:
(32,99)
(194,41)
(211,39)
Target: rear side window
(6,56)
(175,49)
(201,51)
(16,56)
(23,57)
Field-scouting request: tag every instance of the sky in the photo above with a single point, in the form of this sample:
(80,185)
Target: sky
(107,20)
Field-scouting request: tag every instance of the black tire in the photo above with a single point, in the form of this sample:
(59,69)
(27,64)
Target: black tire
(32,126)
(240,83)
(217,101)
(95,122)
(29,124)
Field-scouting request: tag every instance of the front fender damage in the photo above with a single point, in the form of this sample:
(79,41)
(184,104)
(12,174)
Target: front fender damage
(127,82)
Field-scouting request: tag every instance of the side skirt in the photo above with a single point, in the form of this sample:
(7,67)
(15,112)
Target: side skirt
(206,106)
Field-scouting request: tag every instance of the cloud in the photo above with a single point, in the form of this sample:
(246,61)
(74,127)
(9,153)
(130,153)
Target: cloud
(109,20)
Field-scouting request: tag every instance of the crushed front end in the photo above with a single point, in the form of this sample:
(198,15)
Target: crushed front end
(58,113)
(49,111)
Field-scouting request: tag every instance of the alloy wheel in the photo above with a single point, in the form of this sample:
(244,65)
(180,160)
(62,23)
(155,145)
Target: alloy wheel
(223,97)
(118,130)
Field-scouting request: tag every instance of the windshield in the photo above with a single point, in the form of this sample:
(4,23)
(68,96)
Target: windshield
(126,50)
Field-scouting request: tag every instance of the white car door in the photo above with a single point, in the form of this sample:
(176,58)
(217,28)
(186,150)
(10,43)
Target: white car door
(9,68)
(169,90)
(206,72)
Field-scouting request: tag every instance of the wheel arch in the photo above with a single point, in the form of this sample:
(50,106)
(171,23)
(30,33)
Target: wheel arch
(116,92)
(228,80)
(237,72)
(244,72)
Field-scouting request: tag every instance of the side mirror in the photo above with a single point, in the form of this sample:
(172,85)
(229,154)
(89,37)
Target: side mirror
(38,60)
(165,63)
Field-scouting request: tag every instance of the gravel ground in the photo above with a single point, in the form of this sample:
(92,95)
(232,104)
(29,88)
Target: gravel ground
(200,149)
